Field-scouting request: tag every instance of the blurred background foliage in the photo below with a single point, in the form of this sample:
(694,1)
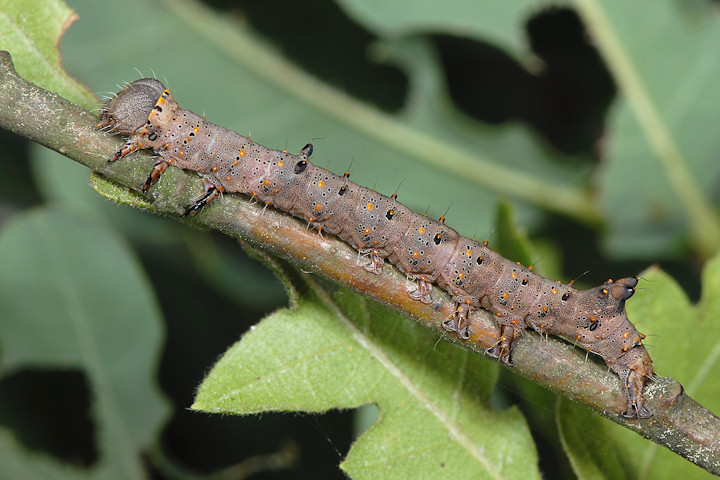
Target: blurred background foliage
(520,85)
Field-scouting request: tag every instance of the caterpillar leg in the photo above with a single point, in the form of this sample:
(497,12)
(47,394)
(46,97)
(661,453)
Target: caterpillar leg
(158,170)
(211,192)
(422,291)
(501,351)
(634,383)
(376,262)
(459,321)
(126,149)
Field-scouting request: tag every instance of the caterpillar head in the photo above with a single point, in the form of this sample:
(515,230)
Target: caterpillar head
(130,108)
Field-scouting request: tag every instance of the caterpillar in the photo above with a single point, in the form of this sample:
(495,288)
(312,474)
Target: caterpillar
(382,228)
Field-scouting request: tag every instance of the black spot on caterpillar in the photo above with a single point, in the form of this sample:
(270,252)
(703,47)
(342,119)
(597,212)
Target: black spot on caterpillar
(428,251)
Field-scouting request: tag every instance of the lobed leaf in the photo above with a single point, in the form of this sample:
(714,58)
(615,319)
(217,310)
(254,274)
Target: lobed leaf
(341,352)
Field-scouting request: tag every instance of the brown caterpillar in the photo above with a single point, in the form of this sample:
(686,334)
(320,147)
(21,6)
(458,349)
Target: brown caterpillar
(428,251)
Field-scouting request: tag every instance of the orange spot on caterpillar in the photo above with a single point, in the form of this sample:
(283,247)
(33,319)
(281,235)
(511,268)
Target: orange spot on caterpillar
(214,169)
(318,207)
(504,295)
(626,334)
(366,231)
(235,163)
(514,275)
(530,267)
(321,184)
(514,322)
(285,151)
(415,255)
(265,182)
(554,290)
(242,152)
(281,163)
(181,153)
(485,242)
(544,308)
(593,319)
(277,190)
(370,206)
(468,253)
(421,230)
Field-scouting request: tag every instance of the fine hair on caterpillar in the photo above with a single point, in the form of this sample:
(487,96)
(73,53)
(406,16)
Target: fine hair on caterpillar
(426,250)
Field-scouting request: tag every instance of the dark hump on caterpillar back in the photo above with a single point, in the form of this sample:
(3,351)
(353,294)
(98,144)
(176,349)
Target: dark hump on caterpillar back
(131,106)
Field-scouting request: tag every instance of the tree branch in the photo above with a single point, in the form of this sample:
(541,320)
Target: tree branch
(678,422)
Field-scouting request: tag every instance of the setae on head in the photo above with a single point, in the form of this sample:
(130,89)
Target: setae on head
(131,106)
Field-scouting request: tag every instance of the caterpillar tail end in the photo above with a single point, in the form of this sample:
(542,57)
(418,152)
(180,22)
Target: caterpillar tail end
(636,402)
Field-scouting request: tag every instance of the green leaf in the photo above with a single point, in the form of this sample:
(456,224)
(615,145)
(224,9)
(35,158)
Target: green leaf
(494,22)
(73,296)
(330,353)
(512,243)
(663,164)
(684,342)
(32,35)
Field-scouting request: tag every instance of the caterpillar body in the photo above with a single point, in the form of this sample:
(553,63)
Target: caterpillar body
(428,251)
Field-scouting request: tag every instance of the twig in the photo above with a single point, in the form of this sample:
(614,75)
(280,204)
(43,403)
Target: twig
(678,422)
